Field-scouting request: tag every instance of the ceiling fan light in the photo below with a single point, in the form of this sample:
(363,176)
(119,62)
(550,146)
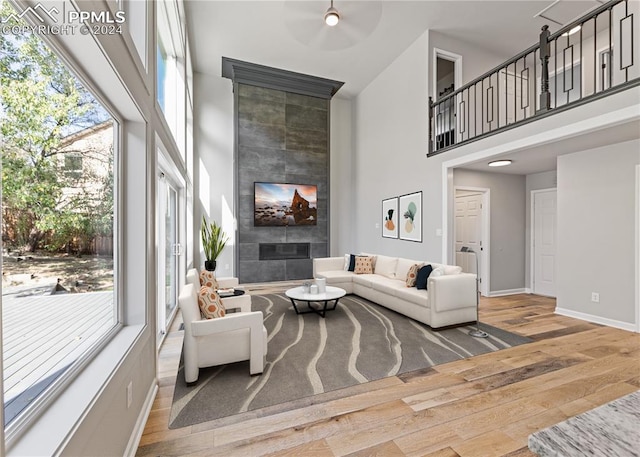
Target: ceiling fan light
(331,17)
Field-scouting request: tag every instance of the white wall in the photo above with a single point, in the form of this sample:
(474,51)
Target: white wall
(507,220)
(342,177)
(596,233)
(214,164)
(391,144)
(391,134)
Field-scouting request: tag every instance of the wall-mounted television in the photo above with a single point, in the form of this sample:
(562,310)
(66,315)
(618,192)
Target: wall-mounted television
(278,204)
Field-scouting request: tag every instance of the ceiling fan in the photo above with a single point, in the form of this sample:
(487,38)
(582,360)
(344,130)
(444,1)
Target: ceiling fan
(353,21)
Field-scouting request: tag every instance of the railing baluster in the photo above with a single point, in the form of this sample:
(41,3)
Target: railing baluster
(611,47)
(582,89)
(545,53)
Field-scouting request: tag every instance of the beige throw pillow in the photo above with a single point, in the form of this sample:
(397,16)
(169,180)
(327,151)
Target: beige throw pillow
(208,279)
(364,265)
(412,274)
(210,304)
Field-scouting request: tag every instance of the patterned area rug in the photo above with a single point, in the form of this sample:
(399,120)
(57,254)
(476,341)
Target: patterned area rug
(311,359)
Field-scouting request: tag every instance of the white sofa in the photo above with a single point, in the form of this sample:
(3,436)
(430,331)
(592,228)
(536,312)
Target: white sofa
(450,298)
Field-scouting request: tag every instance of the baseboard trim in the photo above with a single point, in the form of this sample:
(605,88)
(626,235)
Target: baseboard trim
(501,293)
(138,430)
(597,319)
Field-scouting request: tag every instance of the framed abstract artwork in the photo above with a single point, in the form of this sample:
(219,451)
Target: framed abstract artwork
(390,218)
(410,217)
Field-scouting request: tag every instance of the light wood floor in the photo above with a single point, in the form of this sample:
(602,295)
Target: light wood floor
(483,406)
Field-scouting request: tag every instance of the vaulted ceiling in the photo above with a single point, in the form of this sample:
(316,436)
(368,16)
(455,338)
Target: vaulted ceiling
(291,34)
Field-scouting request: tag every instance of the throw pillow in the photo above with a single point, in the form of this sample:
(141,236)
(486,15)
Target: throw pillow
(438,271)
(423,276)
(208,279)
(412,274)
(210,304)
(364,265)
(352,262)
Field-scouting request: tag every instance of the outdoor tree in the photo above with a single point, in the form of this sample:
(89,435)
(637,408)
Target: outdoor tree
(42,104)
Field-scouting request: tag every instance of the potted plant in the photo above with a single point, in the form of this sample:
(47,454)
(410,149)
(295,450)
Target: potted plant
(213,241)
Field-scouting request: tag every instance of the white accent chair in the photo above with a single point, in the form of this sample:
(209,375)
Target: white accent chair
(210,342)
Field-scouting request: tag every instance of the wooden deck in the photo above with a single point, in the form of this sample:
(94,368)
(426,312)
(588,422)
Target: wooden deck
(482,406)
(43,335)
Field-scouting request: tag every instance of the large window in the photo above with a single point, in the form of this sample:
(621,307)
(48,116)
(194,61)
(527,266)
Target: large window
(171,70)
(58,227)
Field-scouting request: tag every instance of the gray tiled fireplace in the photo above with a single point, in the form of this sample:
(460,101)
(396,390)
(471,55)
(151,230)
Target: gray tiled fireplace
(282,137)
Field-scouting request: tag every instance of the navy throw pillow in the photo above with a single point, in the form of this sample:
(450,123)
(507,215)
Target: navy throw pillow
(423,275)
(352,262)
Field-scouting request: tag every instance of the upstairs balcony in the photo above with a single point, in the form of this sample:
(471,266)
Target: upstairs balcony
(590,58)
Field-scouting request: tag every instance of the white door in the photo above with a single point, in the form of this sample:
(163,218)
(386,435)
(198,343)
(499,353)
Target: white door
(544,243)
(468,232)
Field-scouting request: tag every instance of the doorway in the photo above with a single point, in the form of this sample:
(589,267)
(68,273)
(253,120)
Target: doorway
(471,233)
(543,241)
(447,77)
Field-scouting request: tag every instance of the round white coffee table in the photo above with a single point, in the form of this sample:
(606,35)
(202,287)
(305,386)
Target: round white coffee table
(332,294)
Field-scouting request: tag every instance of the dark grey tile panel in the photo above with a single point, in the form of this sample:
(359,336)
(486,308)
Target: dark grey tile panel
(313,233)
(262,135)
(261,93)
(251,234)
(249,251)
(306,140)
(298,269)
(261,111)
(305,100)
(319,250)
(303,117)
(257,159)
(262,271)
(306,163)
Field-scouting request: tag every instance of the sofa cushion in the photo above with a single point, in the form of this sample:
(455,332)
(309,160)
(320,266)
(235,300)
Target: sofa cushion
(336,276)
(412,275)
(413,295)
(208,278)
(386,266)
(402,268)
(366,280)
(387,285)
(423,276)
(447,269)
(210,304)
(364,265)
(452,270)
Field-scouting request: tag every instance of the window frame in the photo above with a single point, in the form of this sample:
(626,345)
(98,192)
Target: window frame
(34,411)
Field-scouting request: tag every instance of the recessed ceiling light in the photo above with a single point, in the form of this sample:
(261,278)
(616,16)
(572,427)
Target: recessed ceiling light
(576,29)
(500,163)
